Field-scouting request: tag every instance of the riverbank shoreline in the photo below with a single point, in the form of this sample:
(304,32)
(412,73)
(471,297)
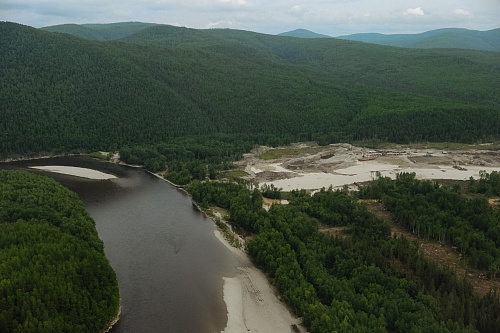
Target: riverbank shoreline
(252,302)
(115,319)
(38,157)
(253,305)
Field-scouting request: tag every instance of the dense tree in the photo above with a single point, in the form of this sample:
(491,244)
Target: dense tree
(488,183)
(441,213)
(54,276)
(349,283)
(167,82)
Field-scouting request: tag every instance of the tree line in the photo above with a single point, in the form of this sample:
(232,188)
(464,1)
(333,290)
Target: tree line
(188,158)
(488,183)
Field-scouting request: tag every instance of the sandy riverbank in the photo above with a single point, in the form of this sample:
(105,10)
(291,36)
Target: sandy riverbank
(252,303)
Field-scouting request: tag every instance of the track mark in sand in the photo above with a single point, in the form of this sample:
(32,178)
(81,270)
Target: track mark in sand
(252,290)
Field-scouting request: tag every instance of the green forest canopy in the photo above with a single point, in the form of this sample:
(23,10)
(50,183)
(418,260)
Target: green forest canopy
(54,276)
(362,279)
(65,93)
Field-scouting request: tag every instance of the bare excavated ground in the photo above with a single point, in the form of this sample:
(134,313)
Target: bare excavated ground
(266,164)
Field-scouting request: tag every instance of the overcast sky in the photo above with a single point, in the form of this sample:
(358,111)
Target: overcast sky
(330,17)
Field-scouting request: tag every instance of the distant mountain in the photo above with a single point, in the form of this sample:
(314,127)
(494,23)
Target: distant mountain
(303,33)
(109,31)
(441,38)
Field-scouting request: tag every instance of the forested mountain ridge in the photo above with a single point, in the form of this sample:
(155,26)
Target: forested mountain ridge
(110,31)
(440,38)
(64,93)
(303,33)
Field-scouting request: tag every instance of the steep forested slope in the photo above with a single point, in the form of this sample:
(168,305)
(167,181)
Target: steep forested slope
(162,82)
(54,276)
(62,92)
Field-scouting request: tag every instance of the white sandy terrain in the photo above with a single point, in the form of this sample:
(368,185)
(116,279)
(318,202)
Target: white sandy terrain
(365,171)
(339,164)
(76,171)
(252,304)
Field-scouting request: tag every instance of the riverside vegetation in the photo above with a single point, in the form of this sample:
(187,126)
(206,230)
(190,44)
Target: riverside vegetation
(364,280)
(54,276)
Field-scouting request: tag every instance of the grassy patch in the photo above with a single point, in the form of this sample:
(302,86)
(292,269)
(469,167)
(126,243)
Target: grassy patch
(228,235)
(280,152)
(223,212)
(235,173)
(457,146)
(376,144)
(289,151)
(99,155)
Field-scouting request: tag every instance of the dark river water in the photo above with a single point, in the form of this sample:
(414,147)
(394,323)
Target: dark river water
(168,262)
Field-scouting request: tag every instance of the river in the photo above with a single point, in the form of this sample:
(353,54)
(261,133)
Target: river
(168,263)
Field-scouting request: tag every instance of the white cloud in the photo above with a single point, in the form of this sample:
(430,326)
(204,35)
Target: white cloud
(296,9)
(331,17)
(234,2)
(414,11)
(461,12)
(220,24)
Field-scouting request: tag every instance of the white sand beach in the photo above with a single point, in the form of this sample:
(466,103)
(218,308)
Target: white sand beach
(75,171)
(252,303)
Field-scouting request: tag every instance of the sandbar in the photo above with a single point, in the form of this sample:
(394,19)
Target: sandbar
(76,171)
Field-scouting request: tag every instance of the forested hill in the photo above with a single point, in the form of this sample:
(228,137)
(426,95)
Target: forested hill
(54,276)
(441,38)
(109,31)
(61,93)
(303,33)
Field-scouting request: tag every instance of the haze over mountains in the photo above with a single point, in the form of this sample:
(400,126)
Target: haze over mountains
(110,31)
(441,38)
(162,82)
(303,33)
